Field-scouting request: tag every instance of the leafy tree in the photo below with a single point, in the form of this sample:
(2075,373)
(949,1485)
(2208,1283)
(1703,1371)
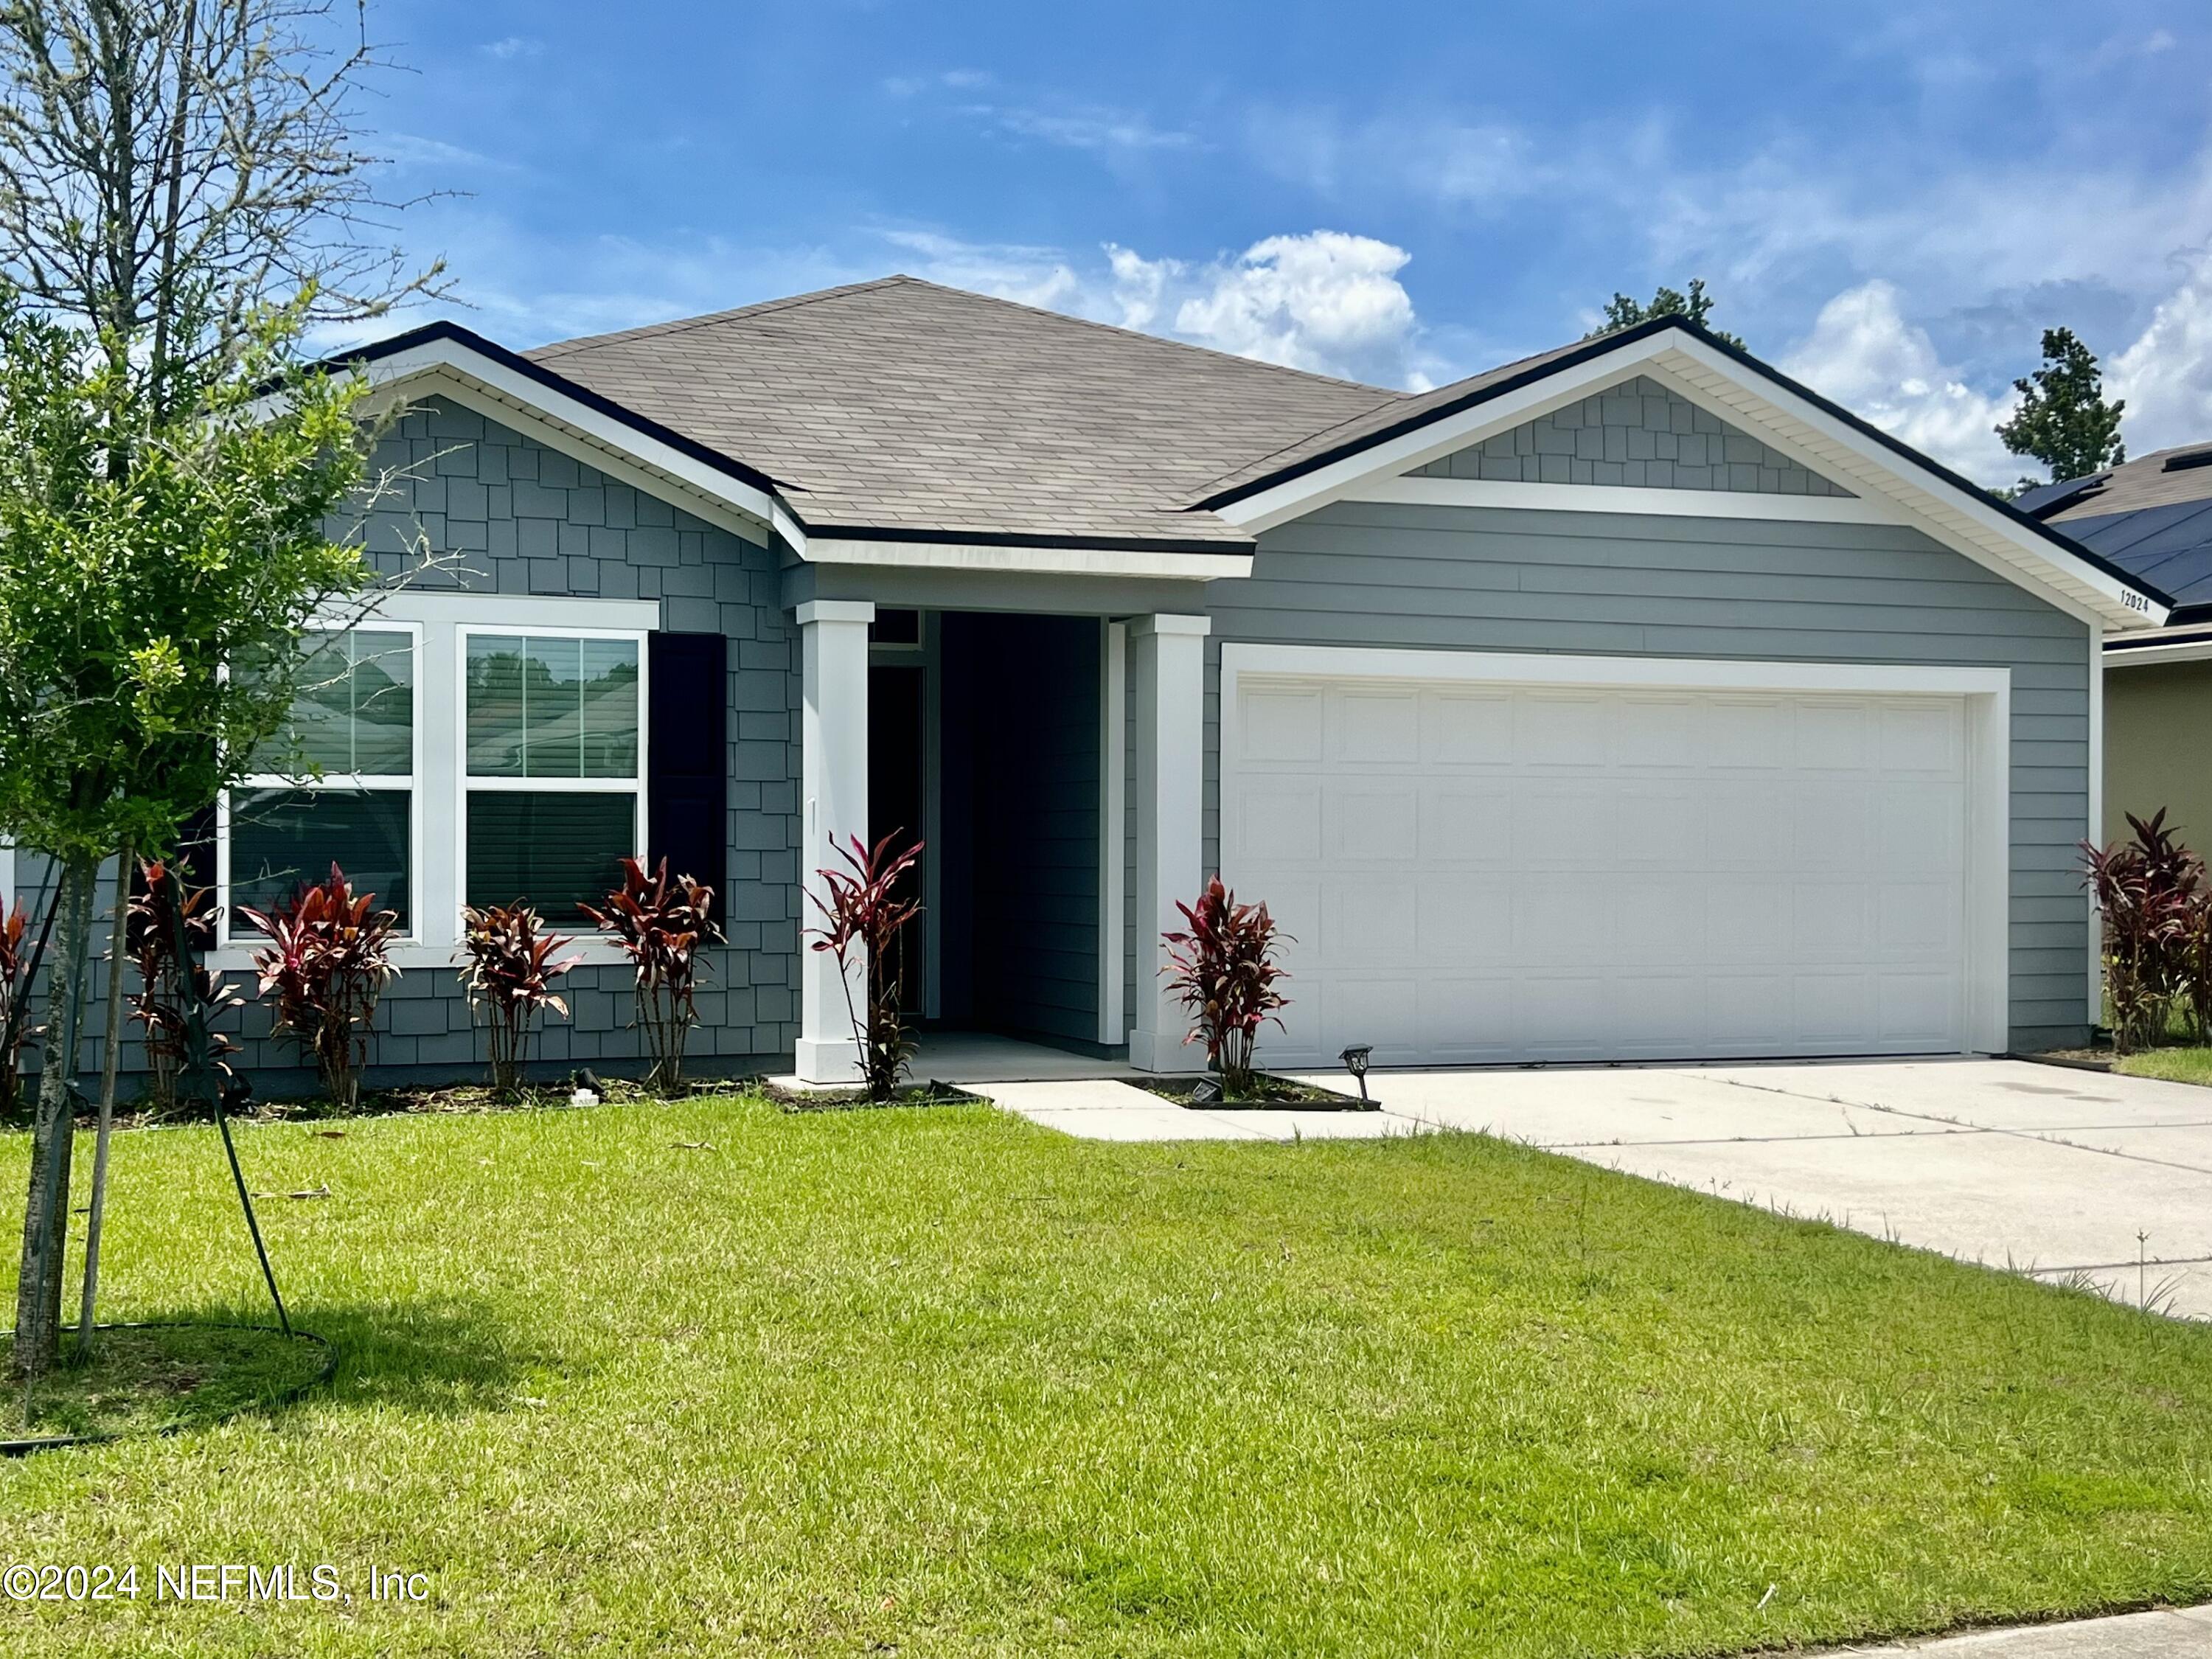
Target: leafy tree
(2064,419)
(181,195)
(140,555)
(1696,306)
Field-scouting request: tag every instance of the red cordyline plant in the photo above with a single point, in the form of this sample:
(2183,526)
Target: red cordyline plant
(2157,930)
(1223,971)
(661,924)
(862,915)
(14,961)
(509,971)
(327,962)
(167,987)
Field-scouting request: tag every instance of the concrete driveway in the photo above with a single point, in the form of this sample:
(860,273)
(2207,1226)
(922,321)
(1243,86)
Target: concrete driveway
(2062,1174)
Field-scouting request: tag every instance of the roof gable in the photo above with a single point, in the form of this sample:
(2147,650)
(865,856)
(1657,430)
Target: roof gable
(1637,434)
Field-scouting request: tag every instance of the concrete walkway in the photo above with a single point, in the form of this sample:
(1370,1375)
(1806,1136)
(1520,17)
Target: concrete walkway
(2073,1175)
(2184,1634)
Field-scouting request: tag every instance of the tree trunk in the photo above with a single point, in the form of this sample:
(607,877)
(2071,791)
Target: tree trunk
(110,1061)
(45,1210)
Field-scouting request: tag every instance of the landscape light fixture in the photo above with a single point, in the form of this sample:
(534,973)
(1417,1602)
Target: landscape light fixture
(1355,1062)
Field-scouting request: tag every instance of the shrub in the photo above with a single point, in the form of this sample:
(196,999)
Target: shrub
(509,974)
(168,987)
(660,925)
(1223,970)
(2150,891)
(14,990)
(863,913)
(327,962)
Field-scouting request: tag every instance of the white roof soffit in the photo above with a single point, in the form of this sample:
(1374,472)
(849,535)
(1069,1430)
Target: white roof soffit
(1957,517)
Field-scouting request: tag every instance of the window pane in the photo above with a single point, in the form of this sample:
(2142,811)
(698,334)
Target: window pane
(554,849)
(383,680)
(609,668)
(354,710)
(552,708)
(495,696)
(322,713)
(283,839)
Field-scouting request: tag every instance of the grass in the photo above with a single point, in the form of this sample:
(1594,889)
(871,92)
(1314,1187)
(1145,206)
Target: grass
(2175,1065)
(709,1378)
(155,1377)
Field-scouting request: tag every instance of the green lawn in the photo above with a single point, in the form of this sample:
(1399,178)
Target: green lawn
(940,1382)
(2180,1064)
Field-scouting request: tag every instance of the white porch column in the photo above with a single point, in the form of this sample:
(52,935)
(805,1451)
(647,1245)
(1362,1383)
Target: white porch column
(832,736)
(1167,667)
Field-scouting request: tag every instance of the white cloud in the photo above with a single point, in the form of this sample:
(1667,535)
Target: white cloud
(1090,127)
(2166,375)
(511,46)
(1325,300)
(1139,284)
(1030,275)
(1864,354)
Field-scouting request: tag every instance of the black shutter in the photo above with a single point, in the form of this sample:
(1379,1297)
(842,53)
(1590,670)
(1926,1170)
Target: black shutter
(686,788)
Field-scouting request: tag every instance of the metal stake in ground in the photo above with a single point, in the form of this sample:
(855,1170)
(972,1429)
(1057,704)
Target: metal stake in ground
(198,1081)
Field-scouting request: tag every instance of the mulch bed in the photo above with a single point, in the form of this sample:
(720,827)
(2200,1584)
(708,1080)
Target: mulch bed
(1275,1094)
(932,1093)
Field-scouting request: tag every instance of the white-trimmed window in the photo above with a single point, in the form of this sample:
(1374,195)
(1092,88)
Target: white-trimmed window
(358,721)
(553,764)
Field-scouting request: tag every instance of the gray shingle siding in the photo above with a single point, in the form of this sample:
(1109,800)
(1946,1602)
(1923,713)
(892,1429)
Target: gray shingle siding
(1637,432)
(518,517)
(1502,579)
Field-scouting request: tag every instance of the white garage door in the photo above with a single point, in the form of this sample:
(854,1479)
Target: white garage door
(1482,871)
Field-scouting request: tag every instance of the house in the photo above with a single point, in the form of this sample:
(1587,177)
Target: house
(2153,517)
(1627,701)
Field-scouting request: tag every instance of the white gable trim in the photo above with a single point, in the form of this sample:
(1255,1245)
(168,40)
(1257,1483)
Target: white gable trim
(450,369)
(1879,476)
(1625,498)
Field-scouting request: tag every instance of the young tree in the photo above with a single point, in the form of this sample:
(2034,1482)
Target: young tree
(1696,306)
(2064,419)
(141,557)
(181,194)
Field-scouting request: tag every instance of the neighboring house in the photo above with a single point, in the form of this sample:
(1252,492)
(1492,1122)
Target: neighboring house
(1627,701)
(2153,517)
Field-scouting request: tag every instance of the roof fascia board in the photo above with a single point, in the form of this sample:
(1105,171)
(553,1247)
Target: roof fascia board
(1626,498)
(1948,508)
(453,364)
(950,554)
(1295,497)
(1777,412)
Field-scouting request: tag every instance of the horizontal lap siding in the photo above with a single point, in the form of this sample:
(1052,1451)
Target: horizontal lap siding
(1377,574)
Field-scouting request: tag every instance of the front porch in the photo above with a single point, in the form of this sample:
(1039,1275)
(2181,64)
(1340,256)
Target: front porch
(1051,762)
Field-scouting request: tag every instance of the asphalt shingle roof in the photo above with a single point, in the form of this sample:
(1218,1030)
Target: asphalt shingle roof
(2152,517)
(900,405)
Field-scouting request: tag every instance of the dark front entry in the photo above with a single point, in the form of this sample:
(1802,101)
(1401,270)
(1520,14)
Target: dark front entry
(894,800)
(1020,810)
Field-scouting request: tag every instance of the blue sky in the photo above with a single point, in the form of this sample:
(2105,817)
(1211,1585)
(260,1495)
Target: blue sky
(1891,201)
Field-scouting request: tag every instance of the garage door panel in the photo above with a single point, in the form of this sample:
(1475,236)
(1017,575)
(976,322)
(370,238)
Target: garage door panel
(1282,724)
(1375,727)
(1563,824)
(1365,820)
(1464,920)
(1555,733)
(1497,872)
(1468,729)
(1278,821)
(1465,822)
(1368,922)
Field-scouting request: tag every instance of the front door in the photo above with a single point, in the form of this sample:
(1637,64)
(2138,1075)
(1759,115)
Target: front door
(894,734)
